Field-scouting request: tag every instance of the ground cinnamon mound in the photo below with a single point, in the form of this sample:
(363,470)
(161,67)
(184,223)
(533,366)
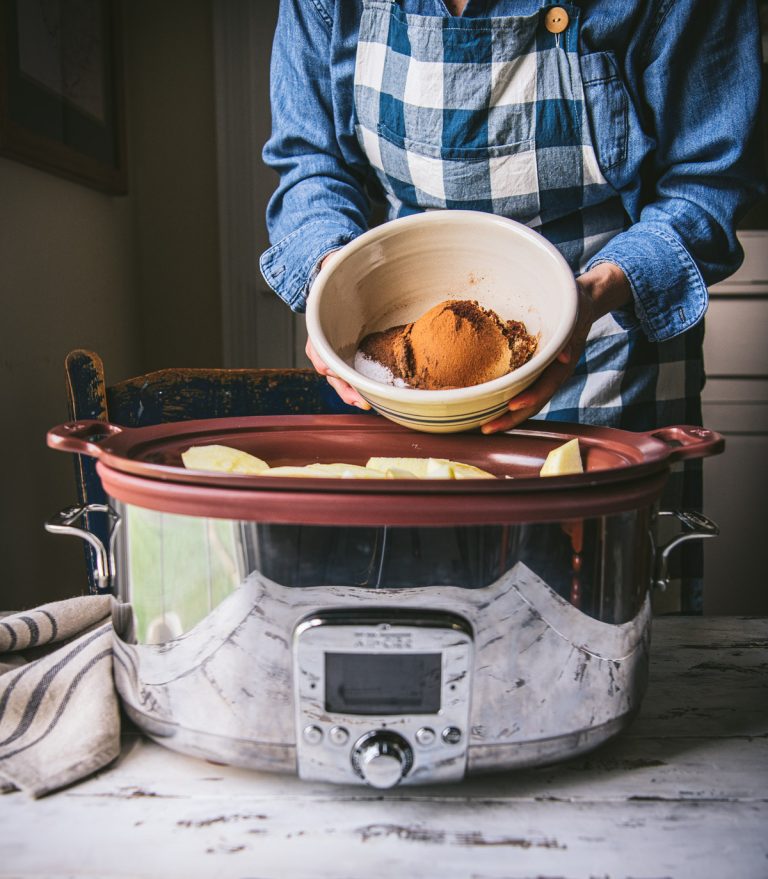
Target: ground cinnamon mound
(455,344)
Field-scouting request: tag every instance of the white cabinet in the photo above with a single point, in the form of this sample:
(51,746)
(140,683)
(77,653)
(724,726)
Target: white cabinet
(735,403)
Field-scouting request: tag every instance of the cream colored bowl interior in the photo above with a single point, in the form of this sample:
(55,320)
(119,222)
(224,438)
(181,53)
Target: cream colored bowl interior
(397,271)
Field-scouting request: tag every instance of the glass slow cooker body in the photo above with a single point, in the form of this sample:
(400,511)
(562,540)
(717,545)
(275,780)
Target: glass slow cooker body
(175,569)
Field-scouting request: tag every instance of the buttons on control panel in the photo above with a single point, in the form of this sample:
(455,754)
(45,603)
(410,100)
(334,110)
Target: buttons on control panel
(313,735)
(451,735)
(338,735)
(425,736)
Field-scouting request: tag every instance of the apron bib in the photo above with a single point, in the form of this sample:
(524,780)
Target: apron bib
(483,114)
(489,114)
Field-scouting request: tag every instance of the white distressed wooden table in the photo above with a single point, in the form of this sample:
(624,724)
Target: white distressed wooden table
(684,793)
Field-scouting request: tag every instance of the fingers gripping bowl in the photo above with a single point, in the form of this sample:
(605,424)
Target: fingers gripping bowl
(397,271)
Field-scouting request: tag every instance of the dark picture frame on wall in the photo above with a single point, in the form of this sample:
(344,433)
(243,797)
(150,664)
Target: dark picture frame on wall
(61,89)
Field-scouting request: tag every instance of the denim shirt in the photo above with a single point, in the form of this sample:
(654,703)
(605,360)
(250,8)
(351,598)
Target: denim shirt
(672,90)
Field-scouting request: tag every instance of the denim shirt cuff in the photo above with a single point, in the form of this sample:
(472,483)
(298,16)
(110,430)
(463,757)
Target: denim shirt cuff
(291,265)
(669,293)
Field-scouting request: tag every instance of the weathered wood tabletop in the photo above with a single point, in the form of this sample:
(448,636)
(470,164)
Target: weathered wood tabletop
(683,793)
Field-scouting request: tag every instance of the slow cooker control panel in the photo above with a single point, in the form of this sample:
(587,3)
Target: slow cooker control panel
(382,696)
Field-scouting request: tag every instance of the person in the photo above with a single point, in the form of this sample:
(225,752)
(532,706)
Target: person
(625,133)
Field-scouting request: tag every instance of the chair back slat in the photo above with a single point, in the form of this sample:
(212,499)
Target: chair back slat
(186,394)
(86,388)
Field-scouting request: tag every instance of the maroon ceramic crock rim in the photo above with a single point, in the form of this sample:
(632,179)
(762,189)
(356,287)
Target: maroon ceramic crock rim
(634,455)
(344,508)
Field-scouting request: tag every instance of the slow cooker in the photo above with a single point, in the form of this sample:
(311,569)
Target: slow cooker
(378,631)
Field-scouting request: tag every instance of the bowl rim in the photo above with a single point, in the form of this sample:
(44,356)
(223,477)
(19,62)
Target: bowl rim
(374,388)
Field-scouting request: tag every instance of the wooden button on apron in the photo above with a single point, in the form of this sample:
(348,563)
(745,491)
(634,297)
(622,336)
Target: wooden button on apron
(556,20)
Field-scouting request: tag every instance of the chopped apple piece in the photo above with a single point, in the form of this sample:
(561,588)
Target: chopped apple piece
(563,460)
(439,468)
(222,459)
(468,471)
(334,471)
(430,468)
(397,473)
(415,466)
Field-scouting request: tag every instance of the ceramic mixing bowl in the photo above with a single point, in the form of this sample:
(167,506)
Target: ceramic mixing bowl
(395,272)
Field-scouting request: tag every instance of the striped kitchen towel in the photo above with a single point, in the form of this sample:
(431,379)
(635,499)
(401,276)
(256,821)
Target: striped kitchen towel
(59,716)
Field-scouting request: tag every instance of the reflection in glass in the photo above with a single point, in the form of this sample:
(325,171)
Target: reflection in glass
(176,569)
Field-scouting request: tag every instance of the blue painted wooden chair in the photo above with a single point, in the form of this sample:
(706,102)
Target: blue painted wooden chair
(180,395)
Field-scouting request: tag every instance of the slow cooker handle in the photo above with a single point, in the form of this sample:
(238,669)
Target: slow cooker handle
(688,441)
(82,437)
(65,522)
(697,527)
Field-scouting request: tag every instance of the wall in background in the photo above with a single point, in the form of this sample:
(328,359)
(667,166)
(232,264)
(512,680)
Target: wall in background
(172,149)
(67,281)
(134,278)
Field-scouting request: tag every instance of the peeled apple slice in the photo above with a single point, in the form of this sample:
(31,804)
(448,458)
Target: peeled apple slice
(222,459)
(414,466)
(335,471)
(438,468)
(564,460)
(467,471)
(396,473)
(430,468)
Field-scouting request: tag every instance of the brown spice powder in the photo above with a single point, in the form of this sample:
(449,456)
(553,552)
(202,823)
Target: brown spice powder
(457,343)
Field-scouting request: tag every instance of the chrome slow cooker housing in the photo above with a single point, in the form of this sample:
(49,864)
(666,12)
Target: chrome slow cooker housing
(539,586)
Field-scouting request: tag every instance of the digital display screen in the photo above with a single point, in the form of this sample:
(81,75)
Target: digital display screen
(383,683)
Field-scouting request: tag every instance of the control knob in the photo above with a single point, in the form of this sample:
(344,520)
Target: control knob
(382,758)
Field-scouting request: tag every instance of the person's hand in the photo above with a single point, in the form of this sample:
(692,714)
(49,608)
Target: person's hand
(601,289)
(347,393)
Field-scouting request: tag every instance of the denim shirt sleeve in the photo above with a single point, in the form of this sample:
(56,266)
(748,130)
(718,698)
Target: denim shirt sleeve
(700,85)
(320,203)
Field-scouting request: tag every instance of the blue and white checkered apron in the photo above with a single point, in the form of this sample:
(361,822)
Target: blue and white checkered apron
(489,114)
